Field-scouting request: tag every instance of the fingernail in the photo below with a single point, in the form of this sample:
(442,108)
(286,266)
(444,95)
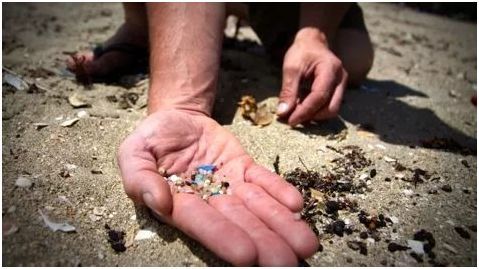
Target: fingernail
(148,199)
(282,108)
(150,203)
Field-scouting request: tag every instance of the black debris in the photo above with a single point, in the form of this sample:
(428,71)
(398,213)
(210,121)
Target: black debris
(372,173)
(399,167)
(465,163)
(417,257)
(116,239)
(447,188)
(357,245)
(320,247)
(363,235)
(462,232)
(276,165)
(388,179)
(336,227)
(425,236)
(332,207)
(393,247)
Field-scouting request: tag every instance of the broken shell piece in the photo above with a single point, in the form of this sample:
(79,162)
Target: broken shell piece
(83,114)
(40,125)
(389,159)
(416,246)
(70,167)
(23,182)
(77,101)
(14,80)
(54,226)
(144,234)
(69,123)
(263,116)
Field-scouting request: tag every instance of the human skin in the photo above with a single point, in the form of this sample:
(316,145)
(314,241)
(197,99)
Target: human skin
(257,223)
(310,56)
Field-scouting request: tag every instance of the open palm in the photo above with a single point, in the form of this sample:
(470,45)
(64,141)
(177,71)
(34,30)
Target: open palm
(256,224)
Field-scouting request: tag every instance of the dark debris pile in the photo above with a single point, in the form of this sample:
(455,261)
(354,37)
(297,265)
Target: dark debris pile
(325,192)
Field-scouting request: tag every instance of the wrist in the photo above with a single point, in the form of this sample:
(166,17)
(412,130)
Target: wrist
(193,101)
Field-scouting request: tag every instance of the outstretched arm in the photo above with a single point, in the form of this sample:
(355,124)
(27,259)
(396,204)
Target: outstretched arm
(256,223)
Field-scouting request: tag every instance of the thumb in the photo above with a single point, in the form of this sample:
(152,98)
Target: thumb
(289,90)
(141,179)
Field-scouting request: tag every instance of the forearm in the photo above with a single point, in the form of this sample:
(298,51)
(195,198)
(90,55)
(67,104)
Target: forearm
(185,48)
(321,20)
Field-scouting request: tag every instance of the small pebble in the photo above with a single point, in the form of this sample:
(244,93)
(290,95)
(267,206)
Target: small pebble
(447,188)
(23,182)
(363,235)
(465,163)
(393,247)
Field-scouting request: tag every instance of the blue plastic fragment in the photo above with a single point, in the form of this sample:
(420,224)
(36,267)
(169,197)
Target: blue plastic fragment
(207,167)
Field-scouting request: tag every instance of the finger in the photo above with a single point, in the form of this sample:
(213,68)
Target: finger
(323,85)
(279,219)
(272,249)
(276,186)
(202,222)
(141,180)
(332,109)
(289,90)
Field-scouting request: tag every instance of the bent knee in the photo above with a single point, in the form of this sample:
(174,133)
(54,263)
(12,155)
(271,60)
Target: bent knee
(355,50)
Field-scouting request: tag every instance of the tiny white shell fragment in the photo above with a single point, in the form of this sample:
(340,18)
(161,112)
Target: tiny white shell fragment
(40,125)
(70,167)
(54,226)
(133,217)
(381,146)
(23,182)
(363,176)
(389,159)
(77,101)
(394,219)
(408,192)
(69,123)
(83,114)
(147,233)
(416,246)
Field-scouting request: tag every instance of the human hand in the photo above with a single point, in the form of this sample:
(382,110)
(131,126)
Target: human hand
(256,224)
(310,57)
